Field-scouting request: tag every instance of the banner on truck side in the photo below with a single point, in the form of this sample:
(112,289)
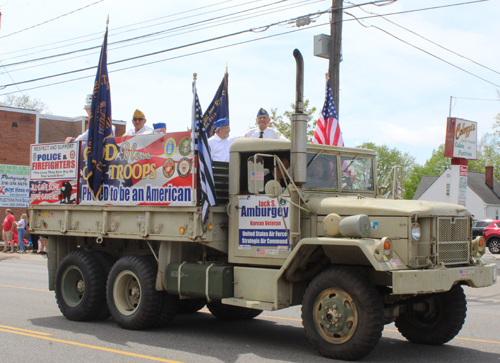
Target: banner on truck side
(14,186)
(263,223)
(156,169)
(54,173)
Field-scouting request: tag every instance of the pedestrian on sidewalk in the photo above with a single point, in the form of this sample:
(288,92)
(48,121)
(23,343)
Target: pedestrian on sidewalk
(21,230)
(8,230)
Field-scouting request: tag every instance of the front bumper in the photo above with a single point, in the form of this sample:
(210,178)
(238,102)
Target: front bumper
(440,280)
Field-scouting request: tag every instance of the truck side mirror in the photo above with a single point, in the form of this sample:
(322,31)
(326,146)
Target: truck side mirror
(255,168)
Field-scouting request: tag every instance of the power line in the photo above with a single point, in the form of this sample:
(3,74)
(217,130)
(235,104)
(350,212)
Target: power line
(430,41)
(422,50)
(172,58)
(195,24)
(236,33)
(48,21)
(141,36)
(122,27)
(288,7)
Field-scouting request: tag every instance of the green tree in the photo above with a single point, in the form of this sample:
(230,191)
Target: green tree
(436,165)
(283,125)
(26,102)
(387,158)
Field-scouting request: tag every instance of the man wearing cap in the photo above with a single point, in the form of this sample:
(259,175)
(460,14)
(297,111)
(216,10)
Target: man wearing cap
(140,127)
(262,131)
(219,143)
(160,128)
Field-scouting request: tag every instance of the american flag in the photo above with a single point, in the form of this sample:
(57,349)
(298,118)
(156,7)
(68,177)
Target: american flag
(207,197)
(328,129)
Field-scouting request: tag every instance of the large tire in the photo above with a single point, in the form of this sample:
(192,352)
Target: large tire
(169,309)
(494,246)
(189,306)
(107,261)
(228,312)
(133,300)
(80,287)
(434,319)
(342,314)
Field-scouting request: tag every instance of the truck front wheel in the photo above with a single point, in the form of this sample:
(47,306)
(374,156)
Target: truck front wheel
(434,319)
(80,288)
(342,314)
(132,298)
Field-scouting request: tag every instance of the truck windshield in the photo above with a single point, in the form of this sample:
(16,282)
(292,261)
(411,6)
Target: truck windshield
(357,173)
(321,171)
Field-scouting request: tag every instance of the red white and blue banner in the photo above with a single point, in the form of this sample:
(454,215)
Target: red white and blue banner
(157,169)
(263,223)
(54,173)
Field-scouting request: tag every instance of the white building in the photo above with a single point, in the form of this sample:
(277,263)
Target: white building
(483,192)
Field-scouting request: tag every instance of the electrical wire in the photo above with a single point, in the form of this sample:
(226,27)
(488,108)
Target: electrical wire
(122,27)
(241,32)
(235,19)
(430,41)
(140,36)
(172,58)
(422,50)
(48,21)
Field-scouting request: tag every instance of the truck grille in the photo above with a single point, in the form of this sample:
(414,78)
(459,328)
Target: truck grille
(453,240)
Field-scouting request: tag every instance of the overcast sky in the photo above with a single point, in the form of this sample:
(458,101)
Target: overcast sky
(391,93)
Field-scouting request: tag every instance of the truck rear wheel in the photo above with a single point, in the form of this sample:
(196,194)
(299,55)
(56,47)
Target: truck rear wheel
(342,314)
(107,261)
(230,312)
(434,319)
(80,288)
(169,309)
(132,298)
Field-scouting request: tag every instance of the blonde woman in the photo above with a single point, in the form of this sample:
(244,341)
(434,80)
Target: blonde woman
(21,230)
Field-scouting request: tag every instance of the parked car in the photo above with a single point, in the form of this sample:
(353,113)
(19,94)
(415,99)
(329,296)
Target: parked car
(479,226)
(492,236)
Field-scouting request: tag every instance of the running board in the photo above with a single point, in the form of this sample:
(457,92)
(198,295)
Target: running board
(259,305)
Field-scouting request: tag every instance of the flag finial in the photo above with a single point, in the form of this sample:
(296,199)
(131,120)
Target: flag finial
(107,22)
(226,67)
(195,75)
(327,75)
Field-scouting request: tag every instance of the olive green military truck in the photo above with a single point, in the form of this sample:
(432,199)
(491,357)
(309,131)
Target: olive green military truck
(318,235)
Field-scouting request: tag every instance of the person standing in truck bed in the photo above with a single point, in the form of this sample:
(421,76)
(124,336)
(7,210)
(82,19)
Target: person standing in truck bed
(221,141)
(263,131)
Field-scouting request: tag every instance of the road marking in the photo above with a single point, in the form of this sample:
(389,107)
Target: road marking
(29,331)
(25,288)
(459,338)
(92,347)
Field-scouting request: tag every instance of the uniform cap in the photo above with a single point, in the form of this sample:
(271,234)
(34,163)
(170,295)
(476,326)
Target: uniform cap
(262,112)
(138,114)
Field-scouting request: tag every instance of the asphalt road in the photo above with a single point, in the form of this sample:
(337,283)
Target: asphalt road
(33,330)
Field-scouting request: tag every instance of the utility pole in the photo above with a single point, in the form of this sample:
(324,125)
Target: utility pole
(335,47)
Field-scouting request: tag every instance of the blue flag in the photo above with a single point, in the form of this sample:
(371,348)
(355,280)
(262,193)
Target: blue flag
(218,109)
(99,123)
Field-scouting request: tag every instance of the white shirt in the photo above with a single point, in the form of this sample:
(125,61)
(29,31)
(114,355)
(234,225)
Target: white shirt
(85,135)
(146,130)
(21,223)
(219,148)
(268,134)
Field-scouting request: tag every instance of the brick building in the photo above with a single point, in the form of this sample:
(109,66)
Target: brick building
(19,128)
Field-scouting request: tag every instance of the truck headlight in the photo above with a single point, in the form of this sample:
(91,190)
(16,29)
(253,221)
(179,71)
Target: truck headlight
(416,232)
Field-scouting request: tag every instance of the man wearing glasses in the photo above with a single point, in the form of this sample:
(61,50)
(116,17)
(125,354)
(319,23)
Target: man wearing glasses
(140,127)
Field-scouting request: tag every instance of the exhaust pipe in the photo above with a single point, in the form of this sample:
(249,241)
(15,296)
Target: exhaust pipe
(298,149)
(299,126)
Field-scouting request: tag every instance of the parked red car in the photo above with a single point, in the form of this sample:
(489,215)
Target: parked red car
(492,236)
